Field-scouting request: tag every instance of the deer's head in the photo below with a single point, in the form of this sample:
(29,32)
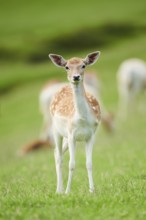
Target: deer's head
(75,66)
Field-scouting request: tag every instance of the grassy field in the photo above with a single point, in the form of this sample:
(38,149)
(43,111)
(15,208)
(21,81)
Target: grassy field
(28,32)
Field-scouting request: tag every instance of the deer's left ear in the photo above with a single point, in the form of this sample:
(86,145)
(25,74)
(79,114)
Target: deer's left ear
(91,58)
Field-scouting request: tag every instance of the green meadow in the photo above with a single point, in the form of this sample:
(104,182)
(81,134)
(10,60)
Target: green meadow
(29,31)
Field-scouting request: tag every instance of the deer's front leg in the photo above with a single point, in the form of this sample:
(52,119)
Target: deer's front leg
(89,148)
(71,145)
(58,162)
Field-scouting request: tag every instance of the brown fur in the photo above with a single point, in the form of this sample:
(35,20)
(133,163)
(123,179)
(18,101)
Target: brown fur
(108,121)
(63,102)
(35,145)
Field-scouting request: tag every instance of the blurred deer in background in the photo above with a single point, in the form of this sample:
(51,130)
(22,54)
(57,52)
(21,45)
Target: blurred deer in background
(131,78)
(75,116)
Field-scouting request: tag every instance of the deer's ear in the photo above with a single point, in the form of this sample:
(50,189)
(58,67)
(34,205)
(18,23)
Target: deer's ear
(91,58)
(58,60)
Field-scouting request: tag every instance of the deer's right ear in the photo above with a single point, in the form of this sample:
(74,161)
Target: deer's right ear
(58,60)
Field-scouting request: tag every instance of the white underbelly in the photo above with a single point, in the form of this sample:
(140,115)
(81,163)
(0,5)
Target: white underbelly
(83,129)
(80,130)
(82,133)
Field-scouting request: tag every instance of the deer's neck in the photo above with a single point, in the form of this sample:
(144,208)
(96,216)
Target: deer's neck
(80,101)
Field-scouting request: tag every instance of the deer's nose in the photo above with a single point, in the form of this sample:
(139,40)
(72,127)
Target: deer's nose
(76,78)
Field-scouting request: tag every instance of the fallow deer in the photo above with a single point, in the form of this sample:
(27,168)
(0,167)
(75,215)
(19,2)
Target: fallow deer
(75,115)
(92,85)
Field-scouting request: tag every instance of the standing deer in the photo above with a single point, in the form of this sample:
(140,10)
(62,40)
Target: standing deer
(75,116)
(91,84)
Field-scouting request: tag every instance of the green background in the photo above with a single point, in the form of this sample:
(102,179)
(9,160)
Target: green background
(29,31)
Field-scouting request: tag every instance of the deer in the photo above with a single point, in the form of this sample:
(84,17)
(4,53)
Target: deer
(131,80)
(45,139)
(75,116)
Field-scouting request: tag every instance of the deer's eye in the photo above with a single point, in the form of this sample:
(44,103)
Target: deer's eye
(67,68)
(83,67)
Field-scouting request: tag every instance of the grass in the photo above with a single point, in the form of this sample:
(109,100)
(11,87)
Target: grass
(27,184)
